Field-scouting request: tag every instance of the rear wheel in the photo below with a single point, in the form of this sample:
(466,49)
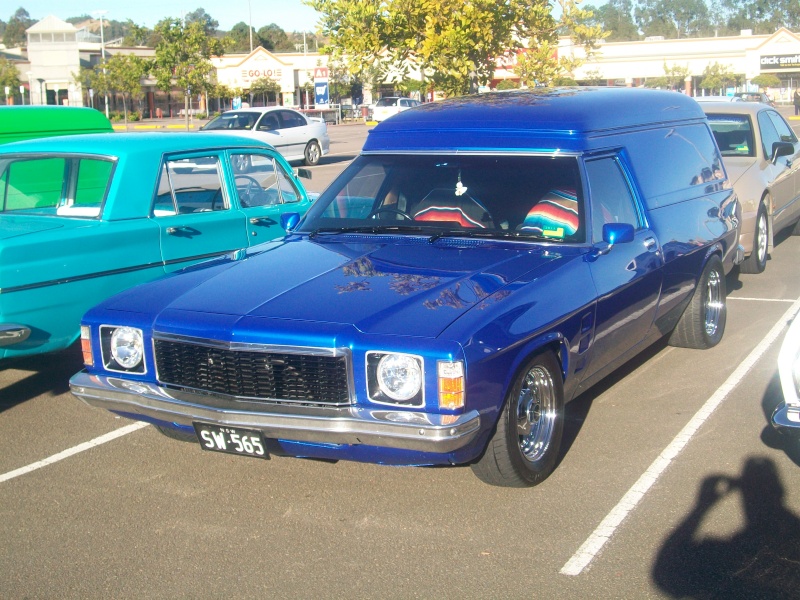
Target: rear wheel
(757,261)
(312,153)
(703,322)
(524,448)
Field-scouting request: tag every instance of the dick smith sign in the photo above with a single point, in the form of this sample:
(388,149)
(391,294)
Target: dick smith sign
(780,61)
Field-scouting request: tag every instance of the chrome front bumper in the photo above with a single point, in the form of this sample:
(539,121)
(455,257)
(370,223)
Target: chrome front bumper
(349,425)
(786,419)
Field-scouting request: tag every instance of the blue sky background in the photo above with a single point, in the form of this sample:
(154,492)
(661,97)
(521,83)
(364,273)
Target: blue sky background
(291,15)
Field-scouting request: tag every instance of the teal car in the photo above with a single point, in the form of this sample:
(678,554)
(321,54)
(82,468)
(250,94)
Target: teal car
(84,217)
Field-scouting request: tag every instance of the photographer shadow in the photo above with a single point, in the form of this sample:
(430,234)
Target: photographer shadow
(760,561)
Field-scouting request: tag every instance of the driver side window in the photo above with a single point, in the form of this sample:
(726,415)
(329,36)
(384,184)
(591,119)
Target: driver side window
(611,197)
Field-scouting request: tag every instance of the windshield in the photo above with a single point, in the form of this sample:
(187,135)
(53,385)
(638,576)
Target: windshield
(525,197)
(239,120)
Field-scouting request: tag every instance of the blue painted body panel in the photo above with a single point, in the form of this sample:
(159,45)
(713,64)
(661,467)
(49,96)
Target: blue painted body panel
(54,267)
(365,272)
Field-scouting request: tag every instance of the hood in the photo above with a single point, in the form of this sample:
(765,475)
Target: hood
(406,287)
(16,225)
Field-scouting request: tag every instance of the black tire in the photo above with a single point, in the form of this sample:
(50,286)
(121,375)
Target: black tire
(703,322)
(178,434)
(526,442)
(312,153)
(757,261)
(796,229)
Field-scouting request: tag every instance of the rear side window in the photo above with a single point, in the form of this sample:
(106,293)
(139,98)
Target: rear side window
(674,159)
(58,186)
(190,185)
(386,102)
(733,133)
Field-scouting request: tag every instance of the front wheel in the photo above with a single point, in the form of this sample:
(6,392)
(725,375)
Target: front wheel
(524,448)
(757,261)
(312,153)
(703,322)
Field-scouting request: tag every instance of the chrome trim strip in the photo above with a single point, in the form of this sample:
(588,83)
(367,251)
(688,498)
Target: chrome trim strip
(251,347)
(143,267)
(350,426)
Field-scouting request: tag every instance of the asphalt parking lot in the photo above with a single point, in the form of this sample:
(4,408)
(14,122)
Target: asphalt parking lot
(671,485)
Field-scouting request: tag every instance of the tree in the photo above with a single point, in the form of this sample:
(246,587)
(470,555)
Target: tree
(452,42)
(541,64)
(265,86)
(9,75)
(766,80)
(14,34)
(272,37)
(718,77)
(182,58)
(672,18)
(616,18)
(239,38)
(673,79)
(201,16)
(123,75)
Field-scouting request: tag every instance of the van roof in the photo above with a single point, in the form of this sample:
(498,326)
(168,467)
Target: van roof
(28,122)
(540,120)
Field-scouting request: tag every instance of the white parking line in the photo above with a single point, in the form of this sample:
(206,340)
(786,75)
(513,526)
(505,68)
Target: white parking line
(608,526)
(760,299)
(74,450)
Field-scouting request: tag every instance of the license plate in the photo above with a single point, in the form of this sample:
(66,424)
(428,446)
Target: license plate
(232,440)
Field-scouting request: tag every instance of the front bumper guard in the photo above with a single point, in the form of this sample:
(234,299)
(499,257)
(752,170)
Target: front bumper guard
(346,425)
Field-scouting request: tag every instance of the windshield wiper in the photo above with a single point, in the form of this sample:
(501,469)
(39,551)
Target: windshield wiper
(487,234)
(367,229)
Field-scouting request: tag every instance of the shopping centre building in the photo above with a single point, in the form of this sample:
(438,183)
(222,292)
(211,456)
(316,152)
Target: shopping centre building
(56,50)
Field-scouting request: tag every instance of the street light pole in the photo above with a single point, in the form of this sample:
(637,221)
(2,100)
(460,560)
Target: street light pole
(103,51)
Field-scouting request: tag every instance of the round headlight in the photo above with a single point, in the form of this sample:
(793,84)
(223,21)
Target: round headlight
(127,347)
(399,376)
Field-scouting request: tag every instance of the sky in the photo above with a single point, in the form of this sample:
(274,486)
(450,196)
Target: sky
(290,15)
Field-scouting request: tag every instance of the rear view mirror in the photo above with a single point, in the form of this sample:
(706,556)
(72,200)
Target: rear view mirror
(781,149)
(304,173)
(289,221)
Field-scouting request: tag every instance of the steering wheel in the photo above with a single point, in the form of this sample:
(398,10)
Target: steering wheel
(390,210)
(248,189)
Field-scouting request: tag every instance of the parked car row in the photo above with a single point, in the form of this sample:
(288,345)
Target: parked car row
(481,263)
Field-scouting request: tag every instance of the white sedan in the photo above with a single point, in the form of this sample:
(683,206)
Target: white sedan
(786,417)
(293,134)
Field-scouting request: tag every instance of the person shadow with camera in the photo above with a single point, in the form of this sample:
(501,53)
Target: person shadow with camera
(760,561)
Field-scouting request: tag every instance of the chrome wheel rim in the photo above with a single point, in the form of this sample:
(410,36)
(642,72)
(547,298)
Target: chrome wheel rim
(536,413)
(313,153)
(714,303)
(761,238)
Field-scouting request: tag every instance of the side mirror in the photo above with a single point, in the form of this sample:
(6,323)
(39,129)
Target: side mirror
(304,173)
(614,233)
(781,149)
(289,221)
(618,233)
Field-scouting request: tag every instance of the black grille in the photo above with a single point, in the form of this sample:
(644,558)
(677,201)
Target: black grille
(260,376)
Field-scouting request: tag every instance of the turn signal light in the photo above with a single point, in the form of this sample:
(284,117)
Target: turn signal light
(86,345)
(451,384)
